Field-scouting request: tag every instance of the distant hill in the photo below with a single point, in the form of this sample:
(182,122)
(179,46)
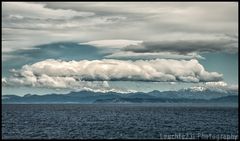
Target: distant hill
(138,97)
(226,99)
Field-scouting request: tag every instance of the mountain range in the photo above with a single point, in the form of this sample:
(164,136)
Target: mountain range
(184,96)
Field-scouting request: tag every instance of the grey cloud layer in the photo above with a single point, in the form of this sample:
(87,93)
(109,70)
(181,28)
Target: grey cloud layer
(57,73)
(27,24)
(221,43)
(152,55)
(172,46)
(20,10)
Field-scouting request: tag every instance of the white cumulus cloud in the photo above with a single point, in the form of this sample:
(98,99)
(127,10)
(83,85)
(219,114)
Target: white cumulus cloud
(73,74)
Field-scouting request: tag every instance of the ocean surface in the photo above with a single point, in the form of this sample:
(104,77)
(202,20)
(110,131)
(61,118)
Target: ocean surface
(118,121)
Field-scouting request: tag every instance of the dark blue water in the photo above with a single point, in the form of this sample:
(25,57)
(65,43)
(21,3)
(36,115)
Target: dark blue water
(79,121)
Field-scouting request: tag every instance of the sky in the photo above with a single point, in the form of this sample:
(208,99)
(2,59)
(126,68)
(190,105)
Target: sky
(58,47)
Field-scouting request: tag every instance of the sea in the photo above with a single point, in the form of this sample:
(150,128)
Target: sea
(118,121)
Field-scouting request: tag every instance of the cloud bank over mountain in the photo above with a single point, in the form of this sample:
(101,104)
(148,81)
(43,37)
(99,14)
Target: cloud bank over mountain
(219,86)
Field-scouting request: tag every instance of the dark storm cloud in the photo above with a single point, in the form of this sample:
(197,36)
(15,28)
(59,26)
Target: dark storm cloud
(186,46)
